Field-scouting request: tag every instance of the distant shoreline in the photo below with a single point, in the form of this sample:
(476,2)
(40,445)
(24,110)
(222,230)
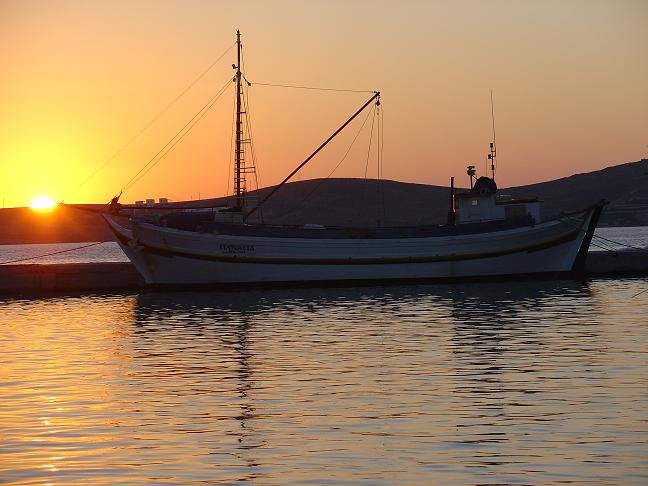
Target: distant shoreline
(365,203)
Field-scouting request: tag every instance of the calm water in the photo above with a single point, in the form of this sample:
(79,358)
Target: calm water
(524,383)
(110,251)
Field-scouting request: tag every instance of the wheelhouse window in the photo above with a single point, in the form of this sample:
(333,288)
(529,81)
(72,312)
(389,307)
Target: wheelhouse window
(515,211)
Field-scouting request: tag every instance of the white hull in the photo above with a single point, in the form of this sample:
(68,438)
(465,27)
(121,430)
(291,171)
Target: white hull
(170,256)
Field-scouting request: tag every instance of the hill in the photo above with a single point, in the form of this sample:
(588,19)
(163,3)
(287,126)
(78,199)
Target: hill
(62,225)
(625,186)
(360,202)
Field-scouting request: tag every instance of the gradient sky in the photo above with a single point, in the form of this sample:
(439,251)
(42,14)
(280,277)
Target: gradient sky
(80,78)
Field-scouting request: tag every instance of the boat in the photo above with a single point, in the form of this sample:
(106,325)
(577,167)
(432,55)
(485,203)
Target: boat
(487,236)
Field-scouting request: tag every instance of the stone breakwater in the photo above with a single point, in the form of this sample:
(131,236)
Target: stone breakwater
(89,277)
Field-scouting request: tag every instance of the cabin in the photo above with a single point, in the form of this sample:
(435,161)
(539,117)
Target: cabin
(482,203)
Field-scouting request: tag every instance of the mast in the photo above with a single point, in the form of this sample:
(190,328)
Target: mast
(239,128)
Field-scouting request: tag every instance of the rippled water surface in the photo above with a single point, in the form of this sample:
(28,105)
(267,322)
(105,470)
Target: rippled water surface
(514,383)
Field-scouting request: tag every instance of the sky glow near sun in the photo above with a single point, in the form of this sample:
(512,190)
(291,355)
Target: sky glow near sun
(81,78)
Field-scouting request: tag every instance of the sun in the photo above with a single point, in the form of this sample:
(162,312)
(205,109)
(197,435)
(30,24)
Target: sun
(42,203)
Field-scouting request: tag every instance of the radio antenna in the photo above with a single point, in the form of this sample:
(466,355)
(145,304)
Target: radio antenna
(492,156)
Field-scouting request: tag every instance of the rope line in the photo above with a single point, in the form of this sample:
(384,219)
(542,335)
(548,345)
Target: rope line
(371,132)
(153,120)
(53,253)
(248,124)
(613,251)
(175,139)
(602,247)
(312,87)
(602,238)
(618,243)
(382,214)
(230,156)
(364,184)
(639,293)
(322,181)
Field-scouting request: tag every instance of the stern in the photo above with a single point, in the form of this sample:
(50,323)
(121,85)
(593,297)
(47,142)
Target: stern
(578,268)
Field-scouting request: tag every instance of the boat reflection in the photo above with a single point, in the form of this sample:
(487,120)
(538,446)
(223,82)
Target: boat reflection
(474,303)
(486,335)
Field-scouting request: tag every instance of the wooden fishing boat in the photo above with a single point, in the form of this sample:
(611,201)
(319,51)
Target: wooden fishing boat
(487,236)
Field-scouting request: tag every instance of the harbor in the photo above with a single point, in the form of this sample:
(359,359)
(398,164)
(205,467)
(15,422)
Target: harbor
(321,243)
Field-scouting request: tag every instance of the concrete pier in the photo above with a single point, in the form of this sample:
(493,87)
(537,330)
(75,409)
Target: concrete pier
(620,263)
(89,277)
(68,277)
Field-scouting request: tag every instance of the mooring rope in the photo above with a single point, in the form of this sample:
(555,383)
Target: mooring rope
(53,253)
(603,238)
(618,243)
(611,250)
(639,293)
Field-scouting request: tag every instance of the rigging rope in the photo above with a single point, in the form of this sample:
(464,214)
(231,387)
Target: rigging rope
(230,156)
(248,124)
(322,181)
(153,120)
(382,214)
(175,139)
(371,132)
(375,96)
(313,88)
(53,253)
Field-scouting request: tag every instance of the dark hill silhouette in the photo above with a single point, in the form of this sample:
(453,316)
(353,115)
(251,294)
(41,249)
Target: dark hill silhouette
(63,225)
(625,186)
(359,202)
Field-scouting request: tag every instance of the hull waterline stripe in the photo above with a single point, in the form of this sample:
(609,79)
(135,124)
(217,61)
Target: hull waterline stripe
(357,261)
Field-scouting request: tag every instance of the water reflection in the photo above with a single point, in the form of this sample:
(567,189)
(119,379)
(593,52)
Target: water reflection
(485,383)
(491,332)
(480,302)
(497,338)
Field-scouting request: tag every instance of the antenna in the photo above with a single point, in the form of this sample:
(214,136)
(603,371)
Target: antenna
(492,156)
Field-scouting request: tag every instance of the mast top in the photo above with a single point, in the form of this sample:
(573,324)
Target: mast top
(492,156)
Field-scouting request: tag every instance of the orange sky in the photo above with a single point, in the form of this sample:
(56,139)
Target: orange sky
(80,78)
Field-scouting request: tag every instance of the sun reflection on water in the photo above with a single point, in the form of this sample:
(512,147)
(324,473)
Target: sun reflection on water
(473,383)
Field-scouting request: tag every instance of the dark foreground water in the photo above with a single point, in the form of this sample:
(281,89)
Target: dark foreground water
(516,383)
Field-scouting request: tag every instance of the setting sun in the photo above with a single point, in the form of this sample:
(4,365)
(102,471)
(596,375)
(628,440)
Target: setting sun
(42,203)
